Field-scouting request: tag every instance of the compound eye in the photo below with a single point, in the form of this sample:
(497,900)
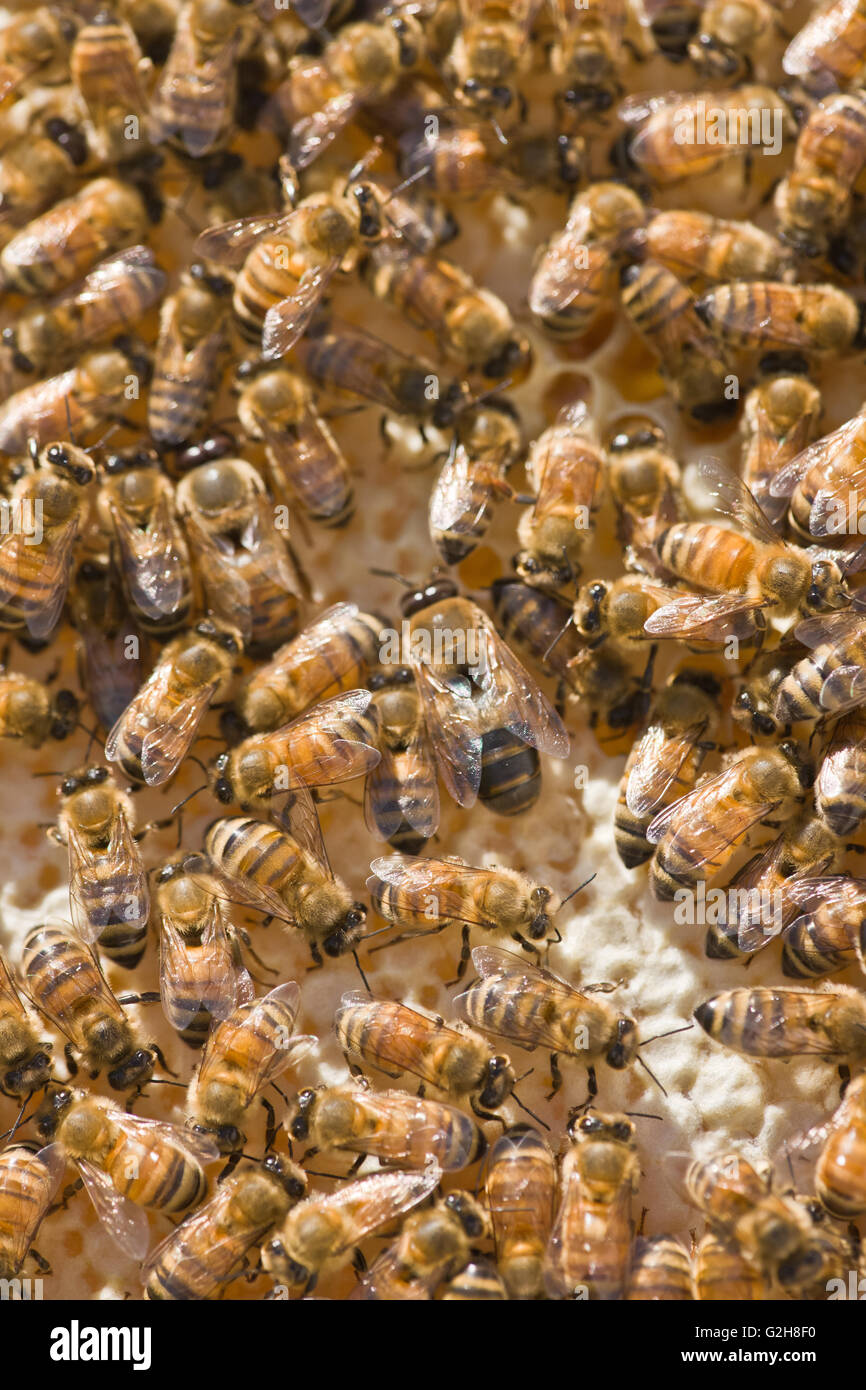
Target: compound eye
(68,786)
(97,774)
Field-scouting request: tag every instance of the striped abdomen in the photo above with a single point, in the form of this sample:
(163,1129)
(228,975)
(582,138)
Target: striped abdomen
(442,1133)
(273,610)
(263,281)
(521,1193)
(591,1242)
(822,941)
(255,850)
(299,675)
(708,556)
(510,773)
(799,694)
(29,577)
(116,903)
(246,1041)
(166,1177)
(26,1189)
(840,1172)
(724,1274)
(660,1271)
(61,979)
(311,469)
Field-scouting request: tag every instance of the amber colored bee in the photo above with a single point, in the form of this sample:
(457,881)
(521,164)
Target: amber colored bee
(697,835)
(830,679)
(435,1244)
(746,575)
(463,160)
(285,873)
(29,1179)
(187,357)
(574,279)
(787,1022)
(671,23)
(566,470)
(728,32)
(24,1059)
(35,44)
(108,70)
(128,1163)
(34,173)
(247,1049)
(47,508)
(699,248)
(29,711)
(333,654)
(539,623)
(840,787)
(478,1282)
(320,1233)
(780,418)
(682,135)
(74,402)
(305,463)
(450,1057)
(193,103)
(153,735)
(589,1247)
(489,55)
(587,53)
(521,1193)
(840,1173)
(65,981)
(769,316)
(247,570)
(389,1125)
(532,1007)
(723,1273)
(401,794)
(774,1232)
(616,612)
(137,503)
(110,669)
(825,482)
(830,49)
(108,888)
(690,355)
(201,1255)
(661,1271)
(755,698)
(202,978)
(333,742)
(487,443)
(666,759)
(645,484)
(827,936)
(814,202)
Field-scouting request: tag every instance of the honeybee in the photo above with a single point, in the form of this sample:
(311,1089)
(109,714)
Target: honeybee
(574,279)
(333,742)
(74,402)
(487,443)
(615,612)
(464,160)
(26,1065)
(672,23)
(453,647)
(787,1022)
(769,316)
(489,55)
(539,623)
(320,1233)
(35,43)
(34,173)
(305,462)
(587,52)
(98,611)
(589,1246)
(830,49)
(690,355)
(533,1007)
(128,1164)
(396,1128)
(723,1273)
(455,1060)
(825,482)
(243,559)
(697,835)
(186,361)
(565,468)
(434,1244)
(830,679)
(29,1179)
(153,735)
(247,1049)
(840,1179)
(755,698)
(645,484)
(192,104)
(286,874)
(333,654)
(661,1271)
(780,418)
(683,135)
(772,1231)
(47,505)
(65,981)
(201,1255)
(616,699)
(29,711)
(472,326)
(747,574)
(813,202)
(840,787)
(666,759)
(201,976)
(478,1282)
(65,243)
(697,248)
(521,1193)
(421,894)
(108,70)
(828,934)
(728,32)
(108,888)
(401,794)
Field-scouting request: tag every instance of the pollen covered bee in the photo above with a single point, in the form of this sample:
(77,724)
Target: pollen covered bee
(155,732)
(787,1022)
(29,711)
(589,1247)
(487,442)
(449,1057)
(401,794)
(521,1193)
(192,105)
(686,134)
(392,1126)
(24,1060)
(435,1244)
(780,418)
(187,357)
(201,1255)
(29,1180)
(645,484)
(661,1271)
(73,402)
(566,470)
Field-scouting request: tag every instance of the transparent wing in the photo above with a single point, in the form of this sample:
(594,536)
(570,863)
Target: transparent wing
(120,861)
(153,561)
(319,758)
(451,886)
(403,789)
(126,1223)
(270,1020)
(231,242)
(708,820)
(371,1203)
(165,747)
(736,500)
(455,496)
(53,557)
(141,712)
(206,976)
(707,619)
(312,135)
(658,761)
(823,453)
(299,818)
(827,27)
(243,892)
(289,320)
(844,689)
(64,1011)
(509,692)
(453,722)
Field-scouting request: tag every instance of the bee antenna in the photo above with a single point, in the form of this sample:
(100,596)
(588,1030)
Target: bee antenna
(642,1115)
(655,1037)
(69,419)
(361,972)
(407,183)
(158,1081)
(559,635)
(651,1074)
(526,1110)
(53,772)
(19,1121)
(194,759)
(175,809)
(392,574)
(576,890)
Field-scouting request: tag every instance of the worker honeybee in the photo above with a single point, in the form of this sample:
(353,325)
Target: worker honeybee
(699,248)
(34,173)
(73,402)
(435,1244)
(29,1180)
(728,33)
(671,24)
(29,711)
(192,105)
(587,53)
(840,1176)
(489,54)
(396,1128)
(487,442)
(661,1271)
(153,735)
(724,1273)
(753,704)
(108,70)
(401,794)
(814,202)
(780,418)
(830,678)
(566,470)
(787,1022)
(187,357)
(830,49)
(645,484)
(615,612)
(26,1065)
(540,623)
(34,44)
(769,316)
(672,143)
(590,1243)
(824,483)
(520,1188)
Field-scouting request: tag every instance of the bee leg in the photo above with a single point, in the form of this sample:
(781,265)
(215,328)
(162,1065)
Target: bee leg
(68,1193)
(272,1126)
(317,958)
(162,1062)
(245,938)
(310,1285)
(555,1075)
(465,954)
(486,1114)
(41,1263)
(422,1090)
(71,1064)
(230,1166)
(355,1166)
(359,1263)
(844,1077)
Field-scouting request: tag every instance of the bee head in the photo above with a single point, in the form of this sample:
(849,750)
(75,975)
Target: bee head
(29,1075)
(288,1174)
(468,1213)
(624,1046)
(228,1138)
(73,463)
(499,1083)
(64,712)
(440,587)
(348,933)
(52,1112)
(134,1071)
(290,1270)
(540,924)
(299,1124)
(828,588)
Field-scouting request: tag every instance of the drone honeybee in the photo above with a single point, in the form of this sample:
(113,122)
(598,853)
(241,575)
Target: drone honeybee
(672,142)
(521,1193)
(787,1022)
(487,442)
(192,105)
(73,402)
(29,1180)
(187,357)
(590,1242)
(392,1126)
(201,1255)
(566,470)
(435,1244)
(780,418)
(661,1271)
(401,794)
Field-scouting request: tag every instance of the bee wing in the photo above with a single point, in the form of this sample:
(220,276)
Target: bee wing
(447,882)
(376,1201)
(126,1223)
(312,135)
(228,592)
(195,369)
(453,496)
(755,925)
(453,723)
(112,273)
(736,500)
(19,1237)
(706,806)
(594,1243)
(55,563)
(804,1025)
(288,321)
(8,988)
(313,13)
(840,775)
(844,689)
(823,452)
(709,619)
(272,1057)
(215,965)
(385,1274)
(417,790)
(308,644)
(143,709)
(297,815)
(144,1130)
(803,54)
(165,746)
(261,539)
(241,892)
(401,1113)
(836,628)
(231,242)
(316,757)
(558,282)
(120,861)
(509,692)
(153,561)
(658,762)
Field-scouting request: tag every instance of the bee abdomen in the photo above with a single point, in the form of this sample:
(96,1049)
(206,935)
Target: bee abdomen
(816,945)
(510,773)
